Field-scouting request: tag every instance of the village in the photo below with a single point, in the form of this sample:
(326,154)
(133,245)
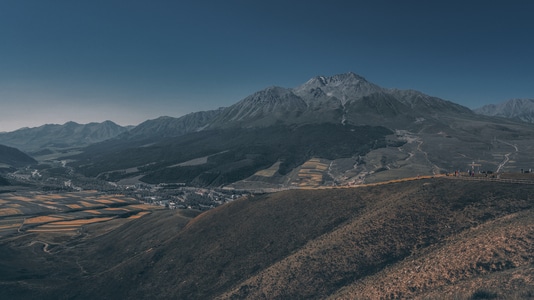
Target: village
(179,196)
(168,195)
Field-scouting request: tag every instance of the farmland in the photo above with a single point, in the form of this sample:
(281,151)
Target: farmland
(64,213)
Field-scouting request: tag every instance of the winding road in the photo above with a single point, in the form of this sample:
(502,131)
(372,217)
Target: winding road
(506,156)
(45,246)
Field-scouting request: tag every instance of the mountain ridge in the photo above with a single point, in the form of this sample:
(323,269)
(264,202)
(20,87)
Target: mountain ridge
(520,109)
(14,157)
(320,98)
(426,135)
(327,99)
(56,136)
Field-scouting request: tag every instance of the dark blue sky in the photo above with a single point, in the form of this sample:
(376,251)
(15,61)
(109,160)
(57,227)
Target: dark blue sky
(129,60)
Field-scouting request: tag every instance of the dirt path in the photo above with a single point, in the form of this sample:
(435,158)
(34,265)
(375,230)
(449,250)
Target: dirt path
(435,168)
(506,156)
(45,246)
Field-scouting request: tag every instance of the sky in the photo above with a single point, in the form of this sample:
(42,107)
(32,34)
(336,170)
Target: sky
(129,61)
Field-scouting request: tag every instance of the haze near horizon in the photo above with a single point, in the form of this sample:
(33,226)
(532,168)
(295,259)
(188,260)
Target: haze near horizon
(129,61)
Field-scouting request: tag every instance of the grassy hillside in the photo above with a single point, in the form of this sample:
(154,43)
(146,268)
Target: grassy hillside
(14,157)
(434,238)
(4,181)
(234,154)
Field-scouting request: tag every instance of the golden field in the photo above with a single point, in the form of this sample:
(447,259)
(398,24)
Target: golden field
(66,212)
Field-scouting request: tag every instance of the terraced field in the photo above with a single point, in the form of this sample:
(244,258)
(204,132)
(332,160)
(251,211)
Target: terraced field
(312,172)
(38,212)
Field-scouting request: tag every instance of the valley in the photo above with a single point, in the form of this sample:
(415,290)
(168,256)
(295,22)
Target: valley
(424,238)
(276,138)
(335,189)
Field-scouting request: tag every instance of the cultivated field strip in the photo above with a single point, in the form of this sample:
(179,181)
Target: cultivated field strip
(311,173)
(35,212)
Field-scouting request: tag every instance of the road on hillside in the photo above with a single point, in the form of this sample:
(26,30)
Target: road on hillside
(506,156)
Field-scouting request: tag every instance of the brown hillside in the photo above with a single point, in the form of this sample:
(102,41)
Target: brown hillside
(426,239)
(457,232)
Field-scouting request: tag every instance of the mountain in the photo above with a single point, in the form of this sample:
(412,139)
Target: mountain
(422,103)
(53,136)
(14,157)
(520,109)
(344,98)
(263,108)
(277,137)
(169,126)
(422,239)
(344,87)
(337,99)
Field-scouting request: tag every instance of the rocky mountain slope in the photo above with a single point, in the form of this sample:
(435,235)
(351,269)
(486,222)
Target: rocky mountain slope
(422,239)
(54,136)
(520,109)
(343,98)
(419,135)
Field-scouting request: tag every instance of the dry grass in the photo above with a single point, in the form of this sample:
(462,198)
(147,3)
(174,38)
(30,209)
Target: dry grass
(9,226)
(105,201)
(88,204)
(142,206)
(54,229)
(492,247)
(50,207)
(412,238)
(139,215)
(47,197)
(115,200)
(312,173)
(42,219)
(63,214)
(81,222)
(420,239)
(21,198)
(269,172)
(117,209)
(66,226)
(9,211)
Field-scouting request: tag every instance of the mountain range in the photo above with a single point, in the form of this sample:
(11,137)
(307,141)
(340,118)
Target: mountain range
(520,109)
(48,137)
(359,130)
(404,236)
(337,99)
